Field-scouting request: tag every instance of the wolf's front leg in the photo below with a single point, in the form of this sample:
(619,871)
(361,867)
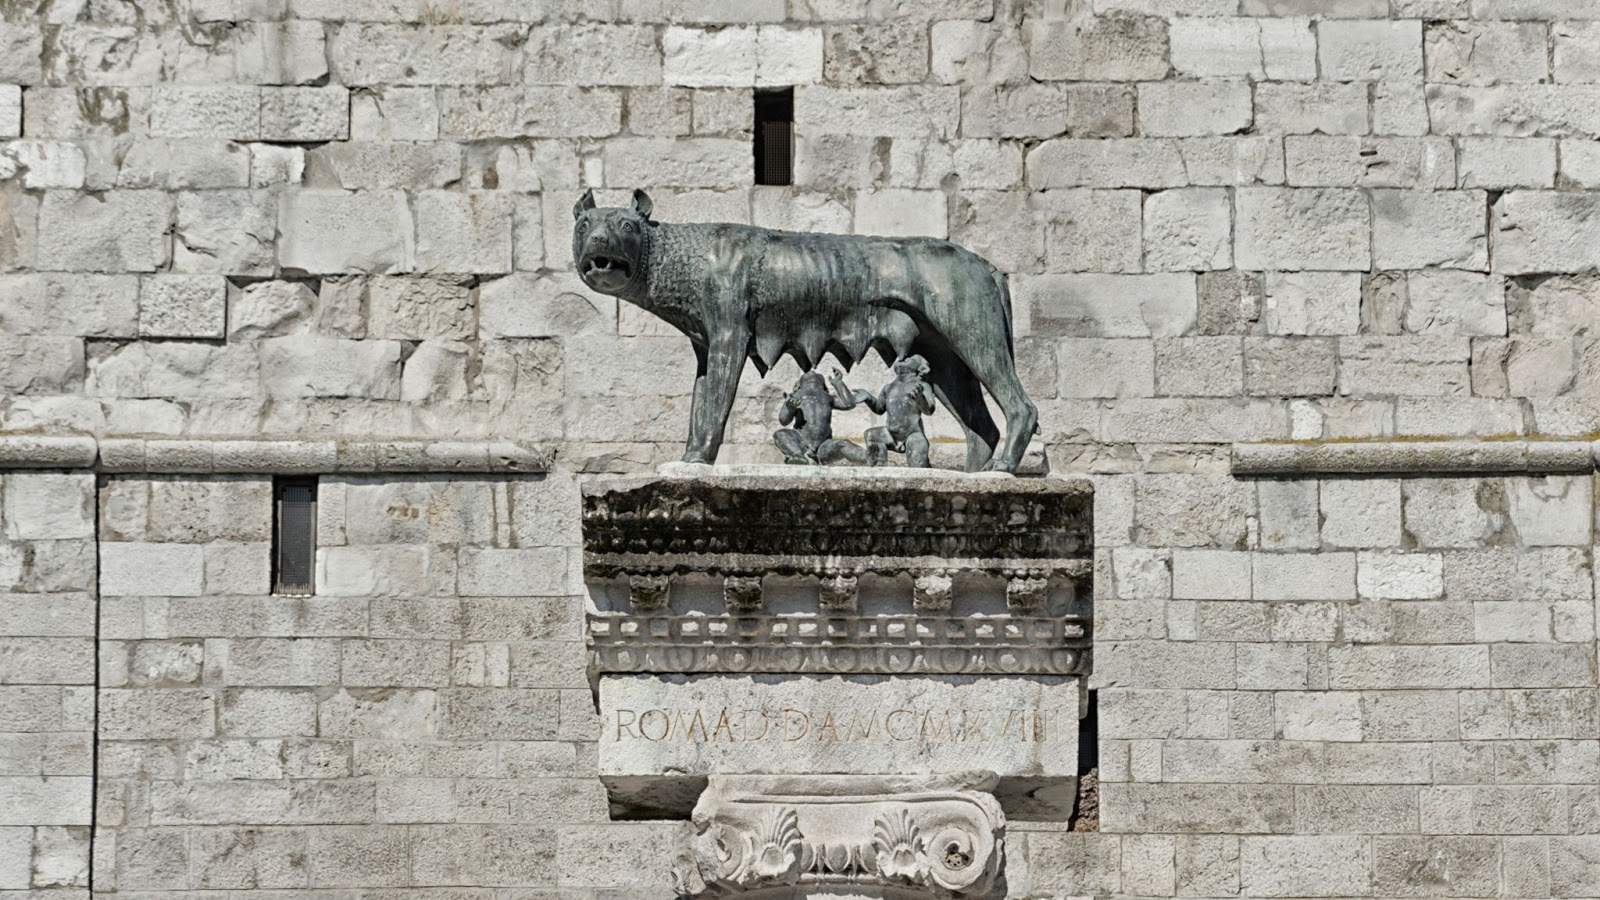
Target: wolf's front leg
(714,391)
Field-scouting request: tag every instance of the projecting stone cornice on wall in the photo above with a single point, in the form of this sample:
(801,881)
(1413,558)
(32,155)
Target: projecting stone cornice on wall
(1420,458)
(226,456)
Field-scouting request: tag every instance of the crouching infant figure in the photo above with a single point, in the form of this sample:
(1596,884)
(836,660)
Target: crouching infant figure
(809,412)
(905,400)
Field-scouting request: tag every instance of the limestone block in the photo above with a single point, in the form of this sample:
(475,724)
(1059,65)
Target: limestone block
(892,52)
(470,113)
(1317,303)
(152,570)
(1576,52)
(89,305)
(1361,513)
(305,114)
(1318,715)
(335,231)
(1170,515)
(1413,230)
(178,164)
(376,54)
(676,725)
(1046,110)
(1210,575)
(238,568)
(375,856)
(1400,576)
(270,309)
(512,855)
(274,662)
(1189,229)
(1424,365)
(592,53)
(10,111)
(46,506)
(1544,232)
(874,111)
(1516,110)
(230,112)
(1321,228)
(1289,367)
(1107,305)
(396,114)
(225,232)
(1304,576)
(1131,162)
(308,366)
(189,306)
(386,164)
(514,573)
(525,305)
(1371,50)
(689,162)
(1370,162)
(1192,108)
(171,369)
(42,165)
(463,232)
(1110,48)
(1199,366)
(1288,515)
(1001,227)
(1092,231)
(901,213)
(1550,511)
(1311,108)
(119,231)
(742,57)
(291,52)
(41,365)
(973,53)
(1481,53)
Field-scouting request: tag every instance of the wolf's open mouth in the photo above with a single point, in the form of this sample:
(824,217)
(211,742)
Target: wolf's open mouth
(607,265)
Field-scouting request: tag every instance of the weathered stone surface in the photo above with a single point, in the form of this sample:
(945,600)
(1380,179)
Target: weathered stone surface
(184,306)
(121,231)
(1304,229)
(333,232)
(674,725)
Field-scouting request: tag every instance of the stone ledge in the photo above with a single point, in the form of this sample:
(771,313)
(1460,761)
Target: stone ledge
(1421,458)
(224,456)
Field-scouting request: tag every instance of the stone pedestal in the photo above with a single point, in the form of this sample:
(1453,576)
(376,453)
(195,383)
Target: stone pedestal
(845,677)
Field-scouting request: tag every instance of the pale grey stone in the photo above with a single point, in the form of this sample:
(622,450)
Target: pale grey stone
(1199,366)
(384,164)
(1107,305)
(1318,715)
(394,114)
(1482,53)
(1113,48)
(270,309)
(1093,367)
(1193,108)
(1311,108)
(1255,48)
(1302,229)
(968,52)
(440,54)
(463,232)
(901,213)
(187,306)
(1516,110)
(1361,513)
(308,366)
(229,112)
(1420,365)
(1440,302)
(533,111)
(1425,163)
(1542,231)
(10,110)
(1413,229)
(514,573)
(1131,162)
(1305,576)
(687,162)
(1503,163)
(882,53)
(1576,52)
(138,569)
(334,231)
(1211,575)
(120,231)
(1288,515)
(742,57)
(1187,230)
(593,53)
(1092,231)
(1372,50)
(1289,366)
(225,233)
(89,305)
(820,719)
(1315,303)
(1399,576)
(1550,511)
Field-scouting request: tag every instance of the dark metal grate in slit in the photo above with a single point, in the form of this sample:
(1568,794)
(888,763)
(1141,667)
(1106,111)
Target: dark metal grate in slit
(295,537)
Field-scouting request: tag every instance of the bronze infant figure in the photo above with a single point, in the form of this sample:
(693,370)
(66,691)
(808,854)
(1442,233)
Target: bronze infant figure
(741,292)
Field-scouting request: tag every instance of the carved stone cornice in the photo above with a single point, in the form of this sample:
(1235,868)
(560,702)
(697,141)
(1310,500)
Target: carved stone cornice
(888,645)
(777,836)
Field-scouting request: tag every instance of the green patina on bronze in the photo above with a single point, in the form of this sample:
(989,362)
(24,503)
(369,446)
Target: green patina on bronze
(741,292)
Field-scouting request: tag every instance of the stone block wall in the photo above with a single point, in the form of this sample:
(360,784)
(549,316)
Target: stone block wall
(1223,220)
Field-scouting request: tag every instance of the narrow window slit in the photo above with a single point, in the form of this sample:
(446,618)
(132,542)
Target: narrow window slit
(294,536)
(774,145)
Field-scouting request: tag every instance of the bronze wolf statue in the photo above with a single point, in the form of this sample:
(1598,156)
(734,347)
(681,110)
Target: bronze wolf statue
(738,291)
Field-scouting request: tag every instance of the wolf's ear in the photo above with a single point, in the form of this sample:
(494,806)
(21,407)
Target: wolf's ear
(642,204)
(585,203)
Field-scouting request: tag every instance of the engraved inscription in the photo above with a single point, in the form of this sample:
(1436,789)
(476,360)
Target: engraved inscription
(728,725)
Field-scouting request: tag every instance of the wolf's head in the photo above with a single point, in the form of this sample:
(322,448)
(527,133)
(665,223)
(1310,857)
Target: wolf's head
(609,244)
